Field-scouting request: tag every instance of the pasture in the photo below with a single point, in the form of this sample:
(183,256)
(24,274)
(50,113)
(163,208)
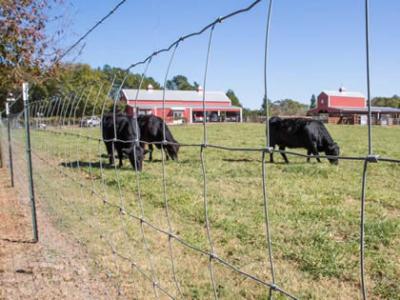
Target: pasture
(314,213)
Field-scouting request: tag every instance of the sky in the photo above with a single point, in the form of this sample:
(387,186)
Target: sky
(315,45)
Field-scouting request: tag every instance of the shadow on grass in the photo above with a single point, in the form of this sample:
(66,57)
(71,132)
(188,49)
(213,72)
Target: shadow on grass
(297,163)
(241,160)
(267,161)
(180,161)
(86,164)
(18,241)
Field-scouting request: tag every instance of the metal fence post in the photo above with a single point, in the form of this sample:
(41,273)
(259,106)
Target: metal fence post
(25,91)
(10,158)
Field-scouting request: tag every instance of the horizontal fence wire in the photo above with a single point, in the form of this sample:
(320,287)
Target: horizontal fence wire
(67,130)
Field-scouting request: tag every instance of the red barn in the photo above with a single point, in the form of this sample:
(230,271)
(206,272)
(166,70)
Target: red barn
(343,107)
(181,106)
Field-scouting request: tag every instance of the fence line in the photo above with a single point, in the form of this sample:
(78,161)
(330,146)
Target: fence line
(79,138)
(62,112)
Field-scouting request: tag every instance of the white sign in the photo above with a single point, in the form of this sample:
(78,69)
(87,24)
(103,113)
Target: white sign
(363,120)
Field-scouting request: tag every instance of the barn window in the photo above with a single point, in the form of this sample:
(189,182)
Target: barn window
(178,114)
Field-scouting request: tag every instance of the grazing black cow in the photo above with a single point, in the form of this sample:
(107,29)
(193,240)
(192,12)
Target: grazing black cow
(151,130)
(125,129)
(302,133)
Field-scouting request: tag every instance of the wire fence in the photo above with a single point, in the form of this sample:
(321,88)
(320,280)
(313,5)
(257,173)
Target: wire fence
(137,233)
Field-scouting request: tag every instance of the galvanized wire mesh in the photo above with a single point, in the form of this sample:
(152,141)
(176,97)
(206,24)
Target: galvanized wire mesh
(59,150)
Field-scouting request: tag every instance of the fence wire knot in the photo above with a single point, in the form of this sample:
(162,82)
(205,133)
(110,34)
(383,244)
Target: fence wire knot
(269,150)
(373,158)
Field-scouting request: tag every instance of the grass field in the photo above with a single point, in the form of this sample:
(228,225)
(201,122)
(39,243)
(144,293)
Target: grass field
(314,213)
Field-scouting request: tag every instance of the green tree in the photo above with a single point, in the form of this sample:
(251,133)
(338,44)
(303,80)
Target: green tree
(180,82)
(25,43)
(313,102)
(234,99)
(386,101)
(286,107)
(263,106)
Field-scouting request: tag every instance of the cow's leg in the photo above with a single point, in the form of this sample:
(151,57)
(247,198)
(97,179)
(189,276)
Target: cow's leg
(271,154)
(282,148)
(166,152)
(110,152)
(151,152)
(308,153)
(120,156)
(314,151)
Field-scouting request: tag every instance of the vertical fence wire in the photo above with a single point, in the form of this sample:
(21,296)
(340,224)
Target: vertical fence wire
(204,171)
(155,282)
(164,180)
(266,52)
(71,204)
(370,157)
(78,142)
(268,145)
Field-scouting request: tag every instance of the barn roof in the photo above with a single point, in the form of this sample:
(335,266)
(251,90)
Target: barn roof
(344,94)
(174,95)
(376,109)
(197,107)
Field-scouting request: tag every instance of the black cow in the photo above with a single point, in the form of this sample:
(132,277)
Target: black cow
(151,130)
(302,133)
(126,134)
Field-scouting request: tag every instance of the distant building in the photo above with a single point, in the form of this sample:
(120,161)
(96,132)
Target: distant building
(181,106)
(343,107)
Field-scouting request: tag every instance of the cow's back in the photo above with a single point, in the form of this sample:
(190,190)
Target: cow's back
(120,124)
(152,129)
(292,133)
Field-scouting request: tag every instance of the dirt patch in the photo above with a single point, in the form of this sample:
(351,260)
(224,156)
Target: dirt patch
(55,268)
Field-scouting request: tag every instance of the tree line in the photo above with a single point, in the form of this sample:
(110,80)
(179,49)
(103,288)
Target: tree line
(393,101)
(29,53)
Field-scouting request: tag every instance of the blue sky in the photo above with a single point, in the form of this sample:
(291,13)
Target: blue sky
(314,44)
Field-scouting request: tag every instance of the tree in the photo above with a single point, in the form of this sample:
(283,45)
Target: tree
(234,99)
(180,82)
(313,102)
(289,107)
(386,101)
(286,107)
(24,42)
(263,106)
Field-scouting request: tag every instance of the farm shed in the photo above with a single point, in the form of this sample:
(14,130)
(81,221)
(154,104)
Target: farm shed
(182,106)
(343,107)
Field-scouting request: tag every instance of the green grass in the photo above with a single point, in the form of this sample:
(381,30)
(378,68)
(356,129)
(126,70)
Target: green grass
(313,208)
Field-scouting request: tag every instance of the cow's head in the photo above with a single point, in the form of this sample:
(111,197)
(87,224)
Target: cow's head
(173,150)
(334,150)
(135,155)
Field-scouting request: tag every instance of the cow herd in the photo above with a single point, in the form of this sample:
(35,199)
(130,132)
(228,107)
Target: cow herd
(129,136)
